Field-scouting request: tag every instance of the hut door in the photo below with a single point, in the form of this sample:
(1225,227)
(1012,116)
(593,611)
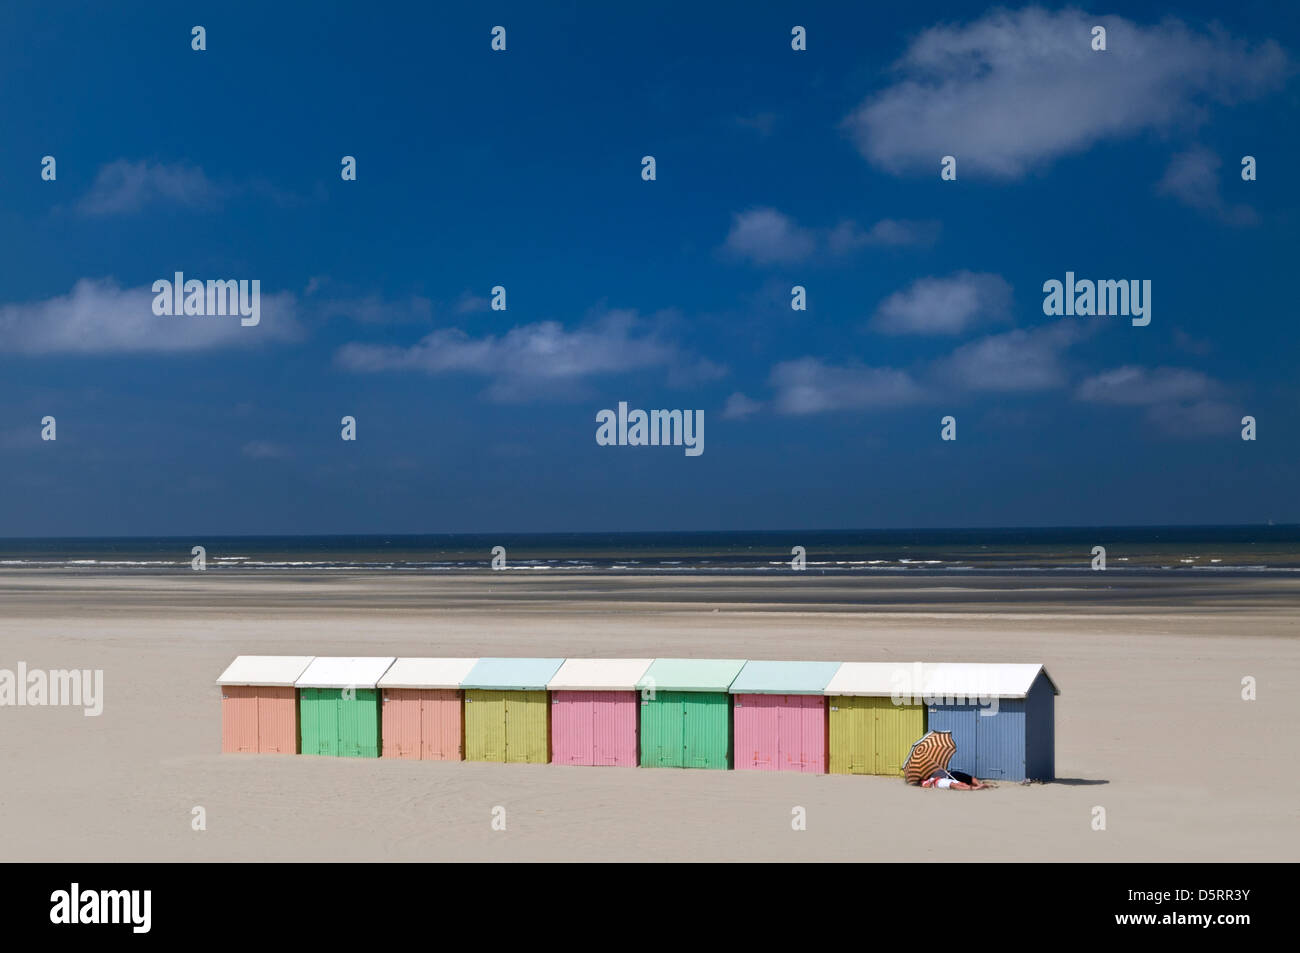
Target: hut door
(276,724)
(349,720)
(410,737)
(239,718)
(963,722)
(662,722)
(485,725)
(803,733)
(494,718)
(602,720)
(989,759)
(329,700)
(439,735)
(861,730)
(526,727)
(309,720)
(706,730)
(401,734)
(614,728)
(764,737)
(1000,741)
(574,727)
(584,728)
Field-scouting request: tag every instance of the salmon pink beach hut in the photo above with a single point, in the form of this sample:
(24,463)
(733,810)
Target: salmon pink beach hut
(686,713)
(338,705)
(594,711)
(422,708)
(507,716)
(259,703)
(779,716)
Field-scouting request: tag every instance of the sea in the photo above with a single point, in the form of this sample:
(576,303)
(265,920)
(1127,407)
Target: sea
(1146,549)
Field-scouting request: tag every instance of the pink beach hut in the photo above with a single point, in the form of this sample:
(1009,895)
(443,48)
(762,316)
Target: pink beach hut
(422,709)
(259,704)
(779,716)
(594,711)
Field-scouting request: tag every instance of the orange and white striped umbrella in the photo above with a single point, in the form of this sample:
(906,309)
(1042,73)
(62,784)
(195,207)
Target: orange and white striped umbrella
(932,753)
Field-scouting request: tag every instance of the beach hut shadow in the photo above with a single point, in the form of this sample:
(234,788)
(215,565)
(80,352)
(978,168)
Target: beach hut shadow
(1077,782)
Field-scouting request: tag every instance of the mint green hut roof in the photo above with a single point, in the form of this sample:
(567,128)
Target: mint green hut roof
(691,674)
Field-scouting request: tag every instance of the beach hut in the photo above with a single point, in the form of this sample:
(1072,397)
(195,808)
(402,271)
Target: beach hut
(1002,718)
(686,713)
(259,704)
(422,708)
(594,711)
(339,706)
(507,717)
(779,716)
(873,718)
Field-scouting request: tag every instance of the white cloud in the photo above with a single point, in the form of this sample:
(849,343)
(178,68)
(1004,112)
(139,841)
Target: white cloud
(265,450)
(948,305)
(1140,386)
(99,317)
(376,309)
(849,236)
(1177,400)
(688,372)
(536,360)
(1198,418)
(739,407)
(763,123)
(326,298)
(809,386)
(1193,179)
(1019,360)
(1192,345)
(767,237)
(470,303)
(1016,89)
(123,187)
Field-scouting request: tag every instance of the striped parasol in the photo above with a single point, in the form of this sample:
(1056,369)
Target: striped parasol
(932,753)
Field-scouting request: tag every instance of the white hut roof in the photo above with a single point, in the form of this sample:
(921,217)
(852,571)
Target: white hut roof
(267,670)
(345,672)
(599,674)
(427,673)
(974,679)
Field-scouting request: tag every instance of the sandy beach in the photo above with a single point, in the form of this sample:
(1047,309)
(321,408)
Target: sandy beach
(1151,725)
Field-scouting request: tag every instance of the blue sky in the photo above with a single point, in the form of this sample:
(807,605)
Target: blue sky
(523,169)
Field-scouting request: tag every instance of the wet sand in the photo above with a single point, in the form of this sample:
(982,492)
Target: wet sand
(1150,723)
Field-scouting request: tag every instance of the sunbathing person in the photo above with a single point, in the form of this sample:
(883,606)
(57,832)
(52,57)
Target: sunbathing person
(958,780)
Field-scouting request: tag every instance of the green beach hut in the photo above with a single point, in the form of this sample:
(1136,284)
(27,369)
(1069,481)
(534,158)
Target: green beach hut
(686,713)
(339,706)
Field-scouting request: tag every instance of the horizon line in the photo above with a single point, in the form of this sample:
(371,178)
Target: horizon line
(661,532)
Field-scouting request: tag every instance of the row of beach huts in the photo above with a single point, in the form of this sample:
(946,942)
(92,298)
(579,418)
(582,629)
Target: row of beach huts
(813,717)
